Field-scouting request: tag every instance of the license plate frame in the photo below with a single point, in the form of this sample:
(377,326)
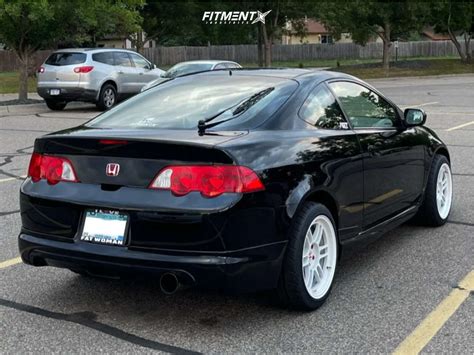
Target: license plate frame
(54,92)
(97,220)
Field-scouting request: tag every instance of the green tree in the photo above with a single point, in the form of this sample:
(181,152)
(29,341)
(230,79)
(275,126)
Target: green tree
(366,19)
(455,19)
(27,26)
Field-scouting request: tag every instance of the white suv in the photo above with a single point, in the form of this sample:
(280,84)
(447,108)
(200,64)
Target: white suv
(102,76)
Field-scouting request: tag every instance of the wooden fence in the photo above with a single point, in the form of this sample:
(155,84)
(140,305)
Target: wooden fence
(247,53)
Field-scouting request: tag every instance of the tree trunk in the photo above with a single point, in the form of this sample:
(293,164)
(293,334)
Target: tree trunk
(386,47)
(467,47)
(453,38)
(259,45)
(23,89)
(268,47)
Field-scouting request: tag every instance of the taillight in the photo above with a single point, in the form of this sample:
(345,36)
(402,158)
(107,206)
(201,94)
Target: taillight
(41,70)
(112,141)
(84,69)
(209,180)
(53,169)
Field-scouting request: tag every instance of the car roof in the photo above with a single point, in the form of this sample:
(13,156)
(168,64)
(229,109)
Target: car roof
(284,73)
(207,61)
(93,50)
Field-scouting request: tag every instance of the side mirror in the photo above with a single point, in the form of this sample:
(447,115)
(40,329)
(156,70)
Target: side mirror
(414,117)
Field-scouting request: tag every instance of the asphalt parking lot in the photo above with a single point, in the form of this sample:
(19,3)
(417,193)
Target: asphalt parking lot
(402,283)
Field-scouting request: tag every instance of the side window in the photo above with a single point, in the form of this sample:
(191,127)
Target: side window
(140,62)
(104,57)
(363,107)
(322,110)
(220,66)
(122,59)
(231,66)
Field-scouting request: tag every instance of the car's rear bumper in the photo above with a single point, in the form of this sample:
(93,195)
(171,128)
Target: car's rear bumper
(250,269)
(68,94)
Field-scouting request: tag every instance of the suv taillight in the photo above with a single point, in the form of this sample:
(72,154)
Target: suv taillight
(53,169)
(84,69)
(209,180)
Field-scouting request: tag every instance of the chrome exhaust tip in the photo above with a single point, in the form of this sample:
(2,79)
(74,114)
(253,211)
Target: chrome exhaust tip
(169,283)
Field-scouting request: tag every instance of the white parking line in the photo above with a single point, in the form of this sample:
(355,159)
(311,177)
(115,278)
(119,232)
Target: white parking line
(460,126)
(426,104)
(12,178)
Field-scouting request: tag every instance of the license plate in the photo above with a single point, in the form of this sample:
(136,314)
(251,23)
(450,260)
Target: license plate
(54,92)
(104,227)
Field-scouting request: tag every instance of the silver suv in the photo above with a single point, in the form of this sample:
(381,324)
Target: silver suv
(101,76)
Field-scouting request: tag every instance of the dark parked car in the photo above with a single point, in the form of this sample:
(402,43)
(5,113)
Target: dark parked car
(256,179)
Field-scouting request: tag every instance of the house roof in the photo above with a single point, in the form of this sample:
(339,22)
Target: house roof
(313,27)
(432,35)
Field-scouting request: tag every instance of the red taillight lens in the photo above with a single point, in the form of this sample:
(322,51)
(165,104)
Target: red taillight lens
(53,169)
(84,69)
(112,142)
(41,70)
(209,180)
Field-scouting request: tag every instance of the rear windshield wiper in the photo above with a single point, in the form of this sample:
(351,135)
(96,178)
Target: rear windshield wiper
(242,107)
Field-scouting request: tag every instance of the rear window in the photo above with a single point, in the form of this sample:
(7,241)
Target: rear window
(60,59)
(180,103)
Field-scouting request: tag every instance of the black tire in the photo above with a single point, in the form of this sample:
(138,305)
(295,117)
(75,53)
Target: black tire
(56,105)
(105,102)
(428,213)
(292,291)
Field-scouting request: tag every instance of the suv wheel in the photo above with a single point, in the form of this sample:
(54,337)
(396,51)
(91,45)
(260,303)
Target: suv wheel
(55,105)
(107,97)
(311,257)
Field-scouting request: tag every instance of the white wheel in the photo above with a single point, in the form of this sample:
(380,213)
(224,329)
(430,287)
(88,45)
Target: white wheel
(319,257)
(444,190)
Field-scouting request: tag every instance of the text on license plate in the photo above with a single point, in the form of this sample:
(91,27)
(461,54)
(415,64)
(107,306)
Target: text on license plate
(54,92)
(104,227)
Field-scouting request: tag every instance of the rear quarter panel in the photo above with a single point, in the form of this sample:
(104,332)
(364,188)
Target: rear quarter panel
(293,165)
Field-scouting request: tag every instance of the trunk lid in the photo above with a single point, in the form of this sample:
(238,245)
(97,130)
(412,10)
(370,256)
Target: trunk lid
(140,154)
(59,69)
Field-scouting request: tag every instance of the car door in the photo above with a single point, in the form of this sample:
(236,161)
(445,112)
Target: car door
(143,71)
(337,157)
(125,73)
(393,156)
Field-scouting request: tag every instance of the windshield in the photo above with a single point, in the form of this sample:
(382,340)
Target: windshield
(66,58)
(180,103)
(186,68)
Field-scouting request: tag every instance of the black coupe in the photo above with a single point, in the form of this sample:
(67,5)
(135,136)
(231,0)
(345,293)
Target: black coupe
(243,180)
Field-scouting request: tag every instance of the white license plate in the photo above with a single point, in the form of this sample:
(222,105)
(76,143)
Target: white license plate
(104,227)
(54,92)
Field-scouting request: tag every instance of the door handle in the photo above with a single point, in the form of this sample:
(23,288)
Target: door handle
(140,73)
(120,72)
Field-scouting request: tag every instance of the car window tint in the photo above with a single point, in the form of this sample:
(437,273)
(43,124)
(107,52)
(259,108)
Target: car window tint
(60,59)
(140,62)
(363,107)
(322,110)
(104,57)
(182,102)
(122,59)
